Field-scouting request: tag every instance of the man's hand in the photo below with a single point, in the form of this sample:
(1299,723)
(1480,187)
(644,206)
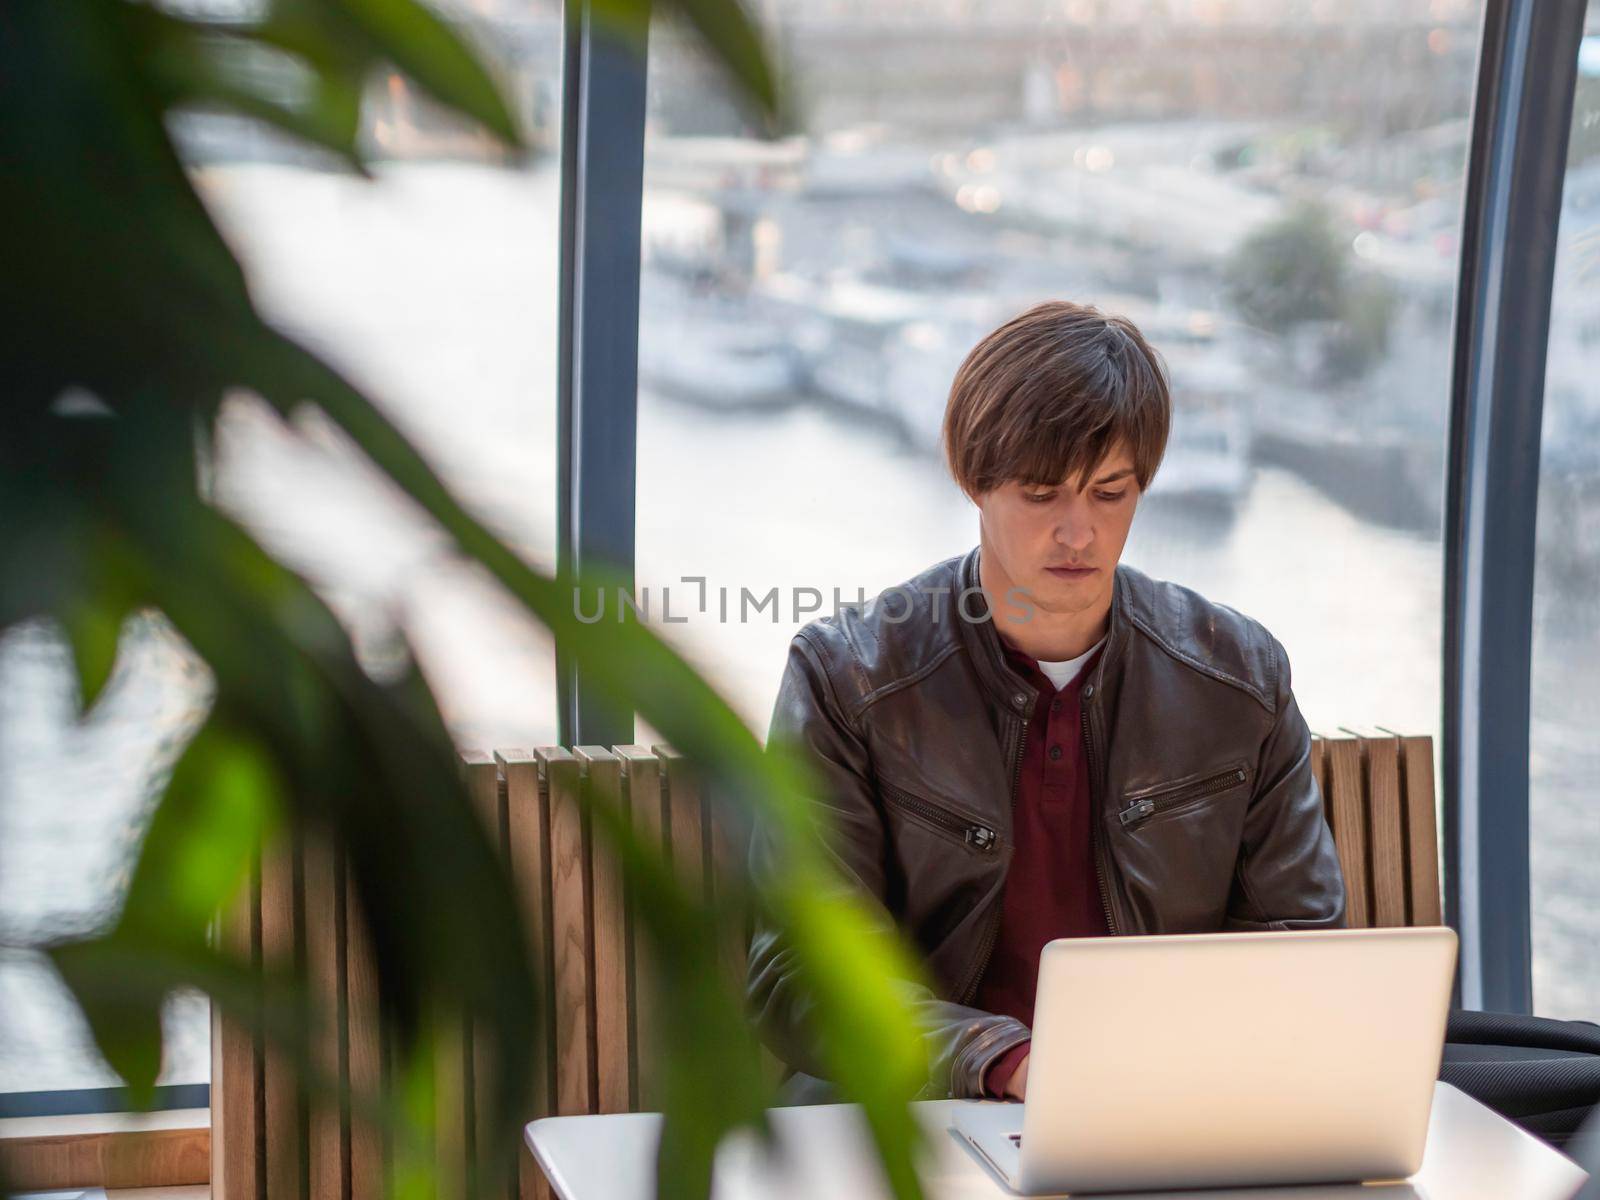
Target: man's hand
(1017,1085)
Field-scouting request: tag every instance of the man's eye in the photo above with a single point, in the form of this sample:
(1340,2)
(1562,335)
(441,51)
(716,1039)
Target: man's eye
(1040,497)
(1109,496)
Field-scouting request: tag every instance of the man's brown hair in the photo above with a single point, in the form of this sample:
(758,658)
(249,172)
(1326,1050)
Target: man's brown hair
(1049,394)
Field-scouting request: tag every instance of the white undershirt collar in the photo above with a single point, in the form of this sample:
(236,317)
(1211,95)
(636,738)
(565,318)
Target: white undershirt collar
(1064,672)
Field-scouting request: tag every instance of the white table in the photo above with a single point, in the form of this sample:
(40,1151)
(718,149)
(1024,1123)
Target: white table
(1473,1154)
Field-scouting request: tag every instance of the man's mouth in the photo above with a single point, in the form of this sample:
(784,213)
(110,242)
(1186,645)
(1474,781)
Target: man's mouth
(1071,572)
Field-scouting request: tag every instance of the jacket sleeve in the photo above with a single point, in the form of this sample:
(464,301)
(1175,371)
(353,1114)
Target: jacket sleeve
(1288,874)
(962,1042)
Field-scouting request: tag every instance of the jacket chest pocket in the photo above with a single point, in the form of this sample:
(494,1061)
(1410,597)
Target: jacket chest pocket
(1181,795)
(954,825)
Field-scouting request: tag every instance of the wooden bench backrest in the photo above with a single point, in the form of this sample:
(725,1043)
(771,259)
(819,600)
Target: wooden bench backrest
(268,1143)
(1377,793)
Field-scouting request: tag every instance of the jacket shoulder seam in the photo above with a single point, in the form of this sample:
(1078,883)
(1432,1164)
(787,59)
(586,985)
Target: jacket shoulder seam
(905,681)
(1244,685)
(821,652)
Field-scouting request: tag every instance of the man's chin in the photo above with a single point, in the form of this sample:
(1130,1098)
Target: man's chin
(1056,594)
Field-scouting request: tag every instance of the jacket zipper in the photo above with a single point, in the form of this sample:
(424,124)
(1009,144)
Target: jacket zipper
(1097,838)
(993,931)
(1149,804)
(979,837)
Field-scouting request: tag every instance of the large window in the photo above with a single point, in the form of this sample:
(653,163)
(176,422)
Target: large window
(435,288)
(1564,737)
(1271,190)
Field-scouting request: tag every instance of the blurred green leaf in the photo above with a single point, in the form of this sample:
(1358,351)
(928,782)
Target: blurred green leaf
(711,1069)
(330,119)
(727,31)
(320,33)
(194,66)
(864,1025)
(868,1022)
(734,40)
(422,45)
(374,759)
(225,797)
(122,979)
(122,288)
(93,627)
(124,1017)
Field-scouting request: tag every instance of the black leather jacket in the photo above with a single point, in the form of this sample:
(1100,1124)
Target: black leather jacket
(1207,816)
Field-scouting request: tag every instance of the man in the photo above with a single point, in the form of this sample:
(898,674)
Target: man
(1032,740)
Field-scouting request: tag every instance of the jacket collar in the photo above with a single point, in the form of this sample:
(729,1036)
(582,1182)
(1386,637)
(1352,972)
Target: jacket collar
(1007,687)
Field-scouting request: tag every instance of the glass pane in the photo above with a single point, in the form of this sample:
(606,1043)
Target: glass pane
(71,800)
(1271,190)
(434,288)
(1564,751)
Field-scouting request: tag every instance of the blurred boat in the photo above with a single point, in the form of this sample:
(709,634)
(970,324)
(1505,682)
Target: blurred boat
(733,359)
(1207,459)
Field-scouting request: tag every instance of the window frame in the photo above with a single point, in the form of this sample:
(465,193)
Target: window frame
(1520,126)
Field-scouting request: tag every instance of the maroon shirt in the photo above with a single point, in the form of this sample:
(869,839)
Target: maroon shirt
(1050,889)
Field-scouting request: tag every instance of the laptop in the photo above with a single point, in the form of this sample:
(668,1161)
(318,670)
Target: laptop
(1225,1059)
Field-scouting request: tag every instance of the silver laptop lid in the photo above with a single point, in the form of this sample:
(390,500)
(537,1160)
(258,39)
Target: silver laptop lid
(1234,1059)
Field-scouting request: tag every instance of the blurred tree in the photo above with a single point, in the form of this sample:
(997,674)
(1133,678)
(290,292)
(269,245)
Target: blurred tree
(1292,276)
(1289,271)
(1359,339)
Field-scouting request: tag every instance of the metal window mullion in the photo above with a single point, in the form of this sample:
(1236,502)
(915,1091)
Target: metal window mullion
(602,181)
(1522,116)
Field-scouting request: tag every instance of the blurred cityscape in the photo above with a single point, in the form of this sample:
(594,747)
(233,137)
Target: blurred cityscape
(1271,190)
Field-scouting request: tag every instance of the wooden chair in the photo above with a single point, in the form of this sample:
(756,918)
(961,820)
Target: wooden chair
(269,1143)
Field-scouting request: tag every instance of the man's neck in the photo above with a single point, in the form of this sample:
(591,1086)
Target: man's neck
(1045,636)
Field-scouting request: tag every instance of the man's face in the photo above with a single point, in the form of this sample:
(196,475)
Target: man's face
(1061,544)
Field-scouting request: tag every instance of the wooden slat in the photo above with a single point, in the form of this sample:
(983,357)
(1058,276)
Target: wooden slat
(724,851)
(392,1154)
(687,818)
(324,935)
(1422,830)
(723,860)
(483,787)
(527,836)
(452,1052)
(1386,847)
(455,1100)
(282,951)
(608,939)
(1347,811)
(368,1162)
(641,776)
(569,908)
(694,849)
(235,1063)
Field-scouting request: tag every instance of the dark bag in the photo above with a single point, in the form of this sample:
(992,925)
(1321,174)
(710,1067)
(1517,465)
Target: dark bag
(1542,1074)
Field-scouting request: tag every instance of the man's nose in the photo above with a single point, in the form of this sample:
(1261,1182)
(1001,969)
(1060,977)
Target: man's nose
(1075,530)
